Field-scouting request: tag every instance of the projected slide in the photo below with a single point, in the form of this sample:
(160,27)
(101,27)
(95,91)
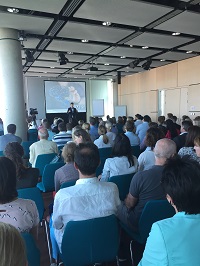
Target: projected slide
(59,95)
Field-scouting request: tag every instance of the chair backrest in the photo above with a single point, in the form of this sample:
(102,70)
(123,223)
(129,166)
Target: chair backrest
(1,153)
(68,184)
(26,145)
(34,194)
(95,240)
(32,252)
(136,150)
(104,154)
(48,176)
(42,160)
(154,210)
(32,135)
(123,184)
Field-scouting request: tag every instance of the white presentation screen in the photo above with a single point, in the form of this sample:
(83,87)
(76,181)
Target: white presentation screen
(59,95)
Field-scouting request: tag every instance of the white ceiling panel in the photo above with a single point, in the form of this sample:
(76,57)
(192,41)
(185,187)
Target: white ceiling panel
(50,6)
(174,56)
(27,23)
(76,47)
(132,52)
(186,22)
(31,43)
(52,64)
(111,60)
(35,74)
(48,70)
(54,56)
(123,12)
(158,40)
(94,33)
(192,47)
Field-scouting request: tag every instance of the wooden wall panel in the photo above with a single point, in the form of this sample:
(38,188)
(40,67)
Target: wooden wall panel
(166,76)
(147,80)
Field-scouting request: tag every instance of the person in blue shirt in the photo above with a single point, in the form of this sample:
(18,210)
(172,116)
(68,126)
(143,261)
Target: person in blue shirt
(142,128)
(176,240)
(93,129)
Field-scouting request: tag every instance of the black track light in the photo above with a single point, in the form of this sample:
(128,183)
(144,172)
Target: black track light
(29,56)
(62,59)
(134,63)
(147,64)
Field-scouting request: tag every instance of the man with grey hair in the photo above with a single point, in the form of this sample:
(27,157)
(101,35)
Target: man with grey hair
(44,146)
(111,136)
(146,185)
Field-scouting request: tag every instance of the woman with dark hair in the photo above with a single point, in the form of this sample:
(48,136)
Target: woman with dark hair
(122,161)
(176,240)
(26,177)
(103,140)
(80,136)
(147,158)
(20,213)
(120,124)
(172,131)
(193,132)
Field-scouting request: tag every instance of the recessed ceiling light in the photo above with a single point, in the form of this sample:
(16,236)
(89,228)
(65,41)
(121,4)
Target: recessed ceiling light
(122,56)
(12,10)
(45,72)
(75,77)
(189,52)
(176,33)
(131,45)
(145,47)
(106,23)
(162,60)
(70,52)
(106,64)
(84,40)
(52,67)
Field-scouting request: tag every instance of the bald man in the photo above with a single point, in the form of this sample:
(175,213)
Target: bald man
(146,185)
(44,146)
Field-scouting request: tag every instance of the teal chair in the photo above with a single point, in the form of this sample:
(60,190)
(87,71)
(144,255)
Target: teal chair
(32,252)
(154,210)
(32,135)
(68,184)
(123,184)
(136,150)
(47,184)
(42,160)
(1,153)
(104,154)
(26,145)
(90,241)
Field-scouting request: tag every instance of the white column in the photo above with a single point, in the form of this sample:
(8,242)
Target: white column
(12,109)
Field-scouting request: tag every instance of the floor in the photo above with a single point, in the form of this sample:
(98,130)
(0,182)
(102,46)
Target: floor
(42,243)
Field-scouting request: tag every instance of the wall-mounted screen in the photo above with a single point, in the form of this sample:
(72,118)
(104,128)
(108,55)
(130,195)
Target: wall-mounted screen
(59,95)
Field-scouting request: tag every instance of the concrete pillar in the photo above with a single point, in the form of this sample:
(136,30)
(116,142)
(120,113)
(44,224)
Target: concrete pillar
(12,109)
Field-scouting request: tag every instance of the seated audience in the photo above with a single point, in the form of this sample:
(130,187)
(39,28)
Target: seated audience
(50,132)
(196,121)
(174,119)
(175,241)
(161,124)
(55,126)
(10,137)
(63,136)
(147,158)
(20,213)
(180,140)
(172,131)
(122,161)
(1,127)
(103,140)
(88,199)
(170,116)
(138,120)
(142,128)
(43,146)
(86,127)
(80,136)
(129,128)
(93,129)
(68,171)
(146,185)
(26,177)
(111,136)
(193,132)
(12,246)
(114,126)
(120,125)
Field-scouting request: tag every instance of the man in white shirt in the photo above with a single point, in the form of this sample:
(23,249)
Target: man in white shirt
(43,146)
(88,198)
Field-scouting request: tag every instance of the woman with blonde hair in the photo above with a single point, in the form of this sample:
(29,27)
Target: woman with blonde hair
(12,248)
(86,127)
(103,140)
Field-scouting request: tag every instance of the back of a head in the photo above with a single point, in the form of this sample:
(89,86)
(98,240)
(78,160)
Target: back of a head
(165,148)
(122,146)
(108,126)
(129,126)
(58,121)
(113,121)
(152,136)
(46,125)
(62,126)
(8,180)
(170,116)
(11,128)
(153,124)
(87,158)
(69,126)
(130,118)
(138,116)
(147,118)
(196,121)
(12,247)
(161,119)
(193,132)
(86,127)
(102,131)
(181,182)
(81,132)
(68,152)
(186,124)
(174,118)
(43,133)
(120,120)
(92,121)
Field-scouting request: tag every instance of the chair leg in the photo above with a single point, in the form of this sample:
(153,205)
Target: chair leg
(48,240)
(131,252)
(117,259)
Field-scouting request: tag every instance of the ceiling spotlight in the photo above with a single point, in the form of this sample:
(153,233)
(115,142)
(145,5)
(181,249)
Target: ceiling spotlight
(70,52)
(131,45)
(62,59)
(176,33)
(147,64)
(122,56)
(106,23)
(21,36)
(106,64)
(52,67)
(162,60)
(145,47)
(12,10)
(134,63)
(189,52)
(84,40)
(92,68)
(29,56)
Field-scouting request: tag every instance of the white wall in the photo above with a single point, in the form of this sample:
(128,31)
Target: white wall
(95,89)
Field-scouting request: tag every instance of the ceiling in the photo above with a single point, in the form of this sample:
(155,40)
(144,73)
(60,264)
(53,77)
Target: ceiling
(138,31)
